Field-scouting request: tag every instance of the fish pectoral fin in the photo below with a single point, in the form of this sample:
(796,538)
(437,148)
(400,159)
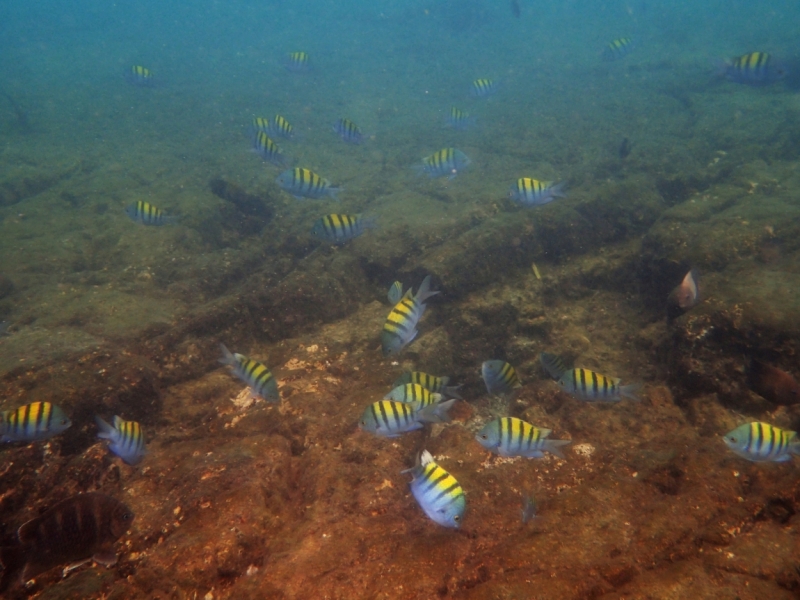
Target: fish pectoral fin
(106,557)
(72,566)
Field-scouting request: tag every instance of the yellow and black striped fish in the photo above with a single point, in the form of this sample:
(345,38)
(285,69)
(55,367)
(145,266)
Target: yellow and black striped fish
(618,48)
(261,124)
(253,373)
(754,68)
(532,192)
(341,228)
(297,62)
(762,442)
(139,75)
(446,162)
(390,418)
(500,377)
(32,422)
(304,183)
(509,436)
(414,394)
(594,387)
(127,438)
(269,150)
(401,324)
(437,492)
(459,119)
(348,131)
(147,214)
(280,127)
(431,383)
(481,88)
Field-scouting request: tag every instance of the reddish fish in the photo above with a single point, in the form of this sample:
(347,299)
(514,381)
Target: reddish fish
(684,296)
(772,384)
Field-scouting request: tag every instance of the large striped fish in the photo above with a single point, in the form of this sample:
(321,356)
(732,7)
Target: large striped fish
(401,324)
(254,374)
(509,436)
(33,422)
(389,418)
(437,492)
(593,387)
(762,442)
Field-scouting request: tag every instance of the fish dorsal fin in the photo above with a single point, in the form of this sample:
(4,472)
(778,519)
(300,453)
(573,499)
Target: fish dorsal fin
(425,458)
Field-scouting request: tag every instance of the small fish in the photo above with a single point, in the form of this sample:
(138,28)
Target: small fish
(430,383)
(762,442)
(553,364)
(459,119)
(413,394)
(76,529)
(341,228)
(390,418)
(297,62)
(304,183)
(481,88)
(396,293)
(348,131)
(532,192)
(32,423)
(147,214)
(535,270)
(437,492)
(594,387)
(625,149)
(772,384)
(754,68)
(618,48)
(280,127)
(127,439)
(529,509)
(257,376)
(516,10)
(269,150)
(684,297)
(400,328)
(509,436)
(139,76)
(447,161)
(261,124)
(500,377)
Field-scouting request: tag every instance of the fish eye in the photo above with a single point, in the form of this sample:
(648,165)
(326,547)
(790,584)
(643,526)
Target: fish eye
(127,516)
(457,519)
(732,438)
(484,436)
(363,422)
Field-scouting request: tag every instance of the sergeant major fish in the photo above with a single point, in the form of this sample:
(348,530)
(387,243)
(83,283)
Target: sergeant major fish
(76,529)
(257,376)
(446,162)
(754,68)
(618,48)
(127,439)
(532,192)
(348,131)
(147,214)
(500,377)
(459,119)
(390,418)
(762,442)
(593,387)
(341,228)
(414,394)
(437,492)
(304,183)
(280,127)
(482,88)
(431,383)
(139,76)
(400,328)
(267,149)
(509,436)
(297,62)
(32,422)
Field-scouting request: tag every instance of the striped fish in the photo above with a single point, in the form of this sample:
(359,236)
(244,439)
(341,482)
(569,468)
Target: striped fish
(532,192)
(447,161)
(553,364)
(269,150)
(261,124)
(304,183)
(594,387)
(33,422)
(297,62)
(481,88)
(390,418)
(140,76)
(430,383)
(348,131)
(754,68)
(619,48)
(395,293)
(437,492)
(341,228)
(127,438)
(257,376)
(500,377)
(762,442)
(459,119)
(414,394)
(147,214)
(401,325)
(509,436)
(280,127)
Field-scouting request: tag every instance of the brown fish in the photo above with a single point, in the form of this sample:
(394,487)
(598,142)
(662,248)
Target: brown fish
(78,528)
(772,384)
(684,296)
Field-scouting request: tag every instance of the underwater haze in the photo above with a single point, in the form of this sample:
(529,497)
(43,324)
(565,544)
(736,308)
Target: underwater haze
(458,299)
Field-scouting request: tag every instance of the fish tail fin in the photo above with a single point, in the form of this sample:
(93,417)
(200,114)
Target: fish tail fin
(558,190)
(106,430)
(554,447)
(452,391)
(794,444)
(424,291)
(629,391)
(227,356)
(170,220)
(435,413)
(332,191)
(720,66)
(369,222)
(13,559)
(423,458)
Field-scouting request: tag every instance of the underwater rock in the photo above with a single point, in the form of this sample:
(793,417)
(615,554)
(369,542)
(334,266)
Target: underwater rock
(6,286)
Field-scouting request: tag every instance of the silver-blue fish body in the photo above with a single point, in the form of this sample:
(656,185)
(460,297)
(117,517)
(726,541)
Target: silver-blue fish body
(390,418)
(447,162)
(437,492)
(32,422)
(532,192)
(509,436)
(400,328)
(260,379)
(127,439)
(590,386)
(762,442)
(500,377)
(304,183)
